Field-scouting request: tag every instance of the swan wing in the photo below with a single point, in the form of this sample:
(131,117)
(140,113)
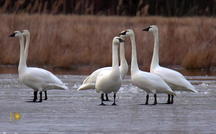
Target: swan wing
(89,82)
(41,78)
(102,77)
(93,76)
(108,81)
(175,79)
(151,83)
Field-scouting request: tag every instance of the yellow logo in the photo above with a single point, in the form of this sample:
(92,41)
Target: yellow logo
(15,116)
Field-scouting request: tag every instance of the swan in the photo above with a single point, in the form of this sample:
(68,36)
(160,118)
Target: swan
(109,80)
(89,82)
(149,82)
(36,78)
(27,40)
(173,78)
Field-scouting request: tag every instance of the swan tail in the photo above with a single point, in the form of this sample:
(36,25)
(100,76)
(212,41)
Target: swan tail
(195,91)
(86,87)
(171,92)
(63,87)
(58,87)
(192,88)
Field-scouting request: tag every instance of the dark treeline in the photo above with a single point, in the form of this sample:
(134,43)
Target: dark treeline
(112,7)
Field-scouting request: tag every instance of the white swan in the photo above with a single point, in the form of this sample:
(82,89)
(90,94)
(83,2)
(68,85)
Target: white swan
(109,80)
(149,82)
(36,78)
(173,78)
(89,82)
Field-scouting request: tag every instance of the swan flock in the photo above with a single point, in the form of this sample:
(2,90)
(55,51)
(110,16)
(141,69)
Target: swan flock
(106,80)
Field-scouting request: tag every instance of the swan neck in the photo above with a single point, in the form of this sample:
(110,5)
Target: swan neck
(115,60)
(22,61)
(155,57)
(134,65)
(27,46)
(122,55)
(123,65)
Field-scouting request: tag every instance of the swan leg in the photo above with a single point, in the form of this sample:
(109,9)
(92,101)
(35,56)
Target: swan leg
(107,98)
(45,92)
(114,96)
(35,96)
(172,99)
(102,99)
(155,99)
(41,99)
(147,98)
(168,100)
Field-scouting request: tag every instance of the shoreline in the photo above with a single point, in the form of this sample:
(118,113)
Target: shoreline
(87,69)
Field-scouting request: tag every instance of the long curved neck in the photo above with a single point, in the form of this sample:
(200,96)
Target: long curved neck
(134,65)
(122,56)
(27,46)
(115,60)
(22,61)
(123,64)
(155,57)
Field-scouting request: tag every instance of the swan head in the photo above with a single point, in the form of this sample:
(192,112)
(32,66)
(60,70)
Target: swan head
(25,32)
(117,40)
(16,34)
(152,28)
(126,33)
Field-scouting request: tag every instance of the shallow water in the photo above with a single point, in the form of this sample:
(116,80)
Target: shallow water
(70,111)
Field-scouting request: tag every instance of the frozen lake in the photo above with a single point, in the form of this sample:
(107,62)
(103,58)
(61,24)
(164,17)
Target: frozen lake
(78,112)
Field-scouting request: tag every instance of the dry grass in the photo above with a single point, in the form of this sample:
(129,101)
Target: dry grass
(81,42)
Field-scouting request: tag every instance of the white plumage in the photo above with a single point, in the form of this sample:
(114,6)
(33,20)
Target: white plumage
(109,80)
(36,78)
(89,82)
(173,78)
(149,82)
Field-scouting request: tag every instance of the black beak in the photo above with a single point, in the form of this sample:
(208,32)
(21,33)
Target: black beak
(146,29)
(12,35)
(123,33)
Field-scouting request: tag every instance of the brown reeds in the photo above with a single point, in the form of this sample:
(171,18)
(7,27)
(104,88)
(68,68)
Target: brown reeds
(84,42)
